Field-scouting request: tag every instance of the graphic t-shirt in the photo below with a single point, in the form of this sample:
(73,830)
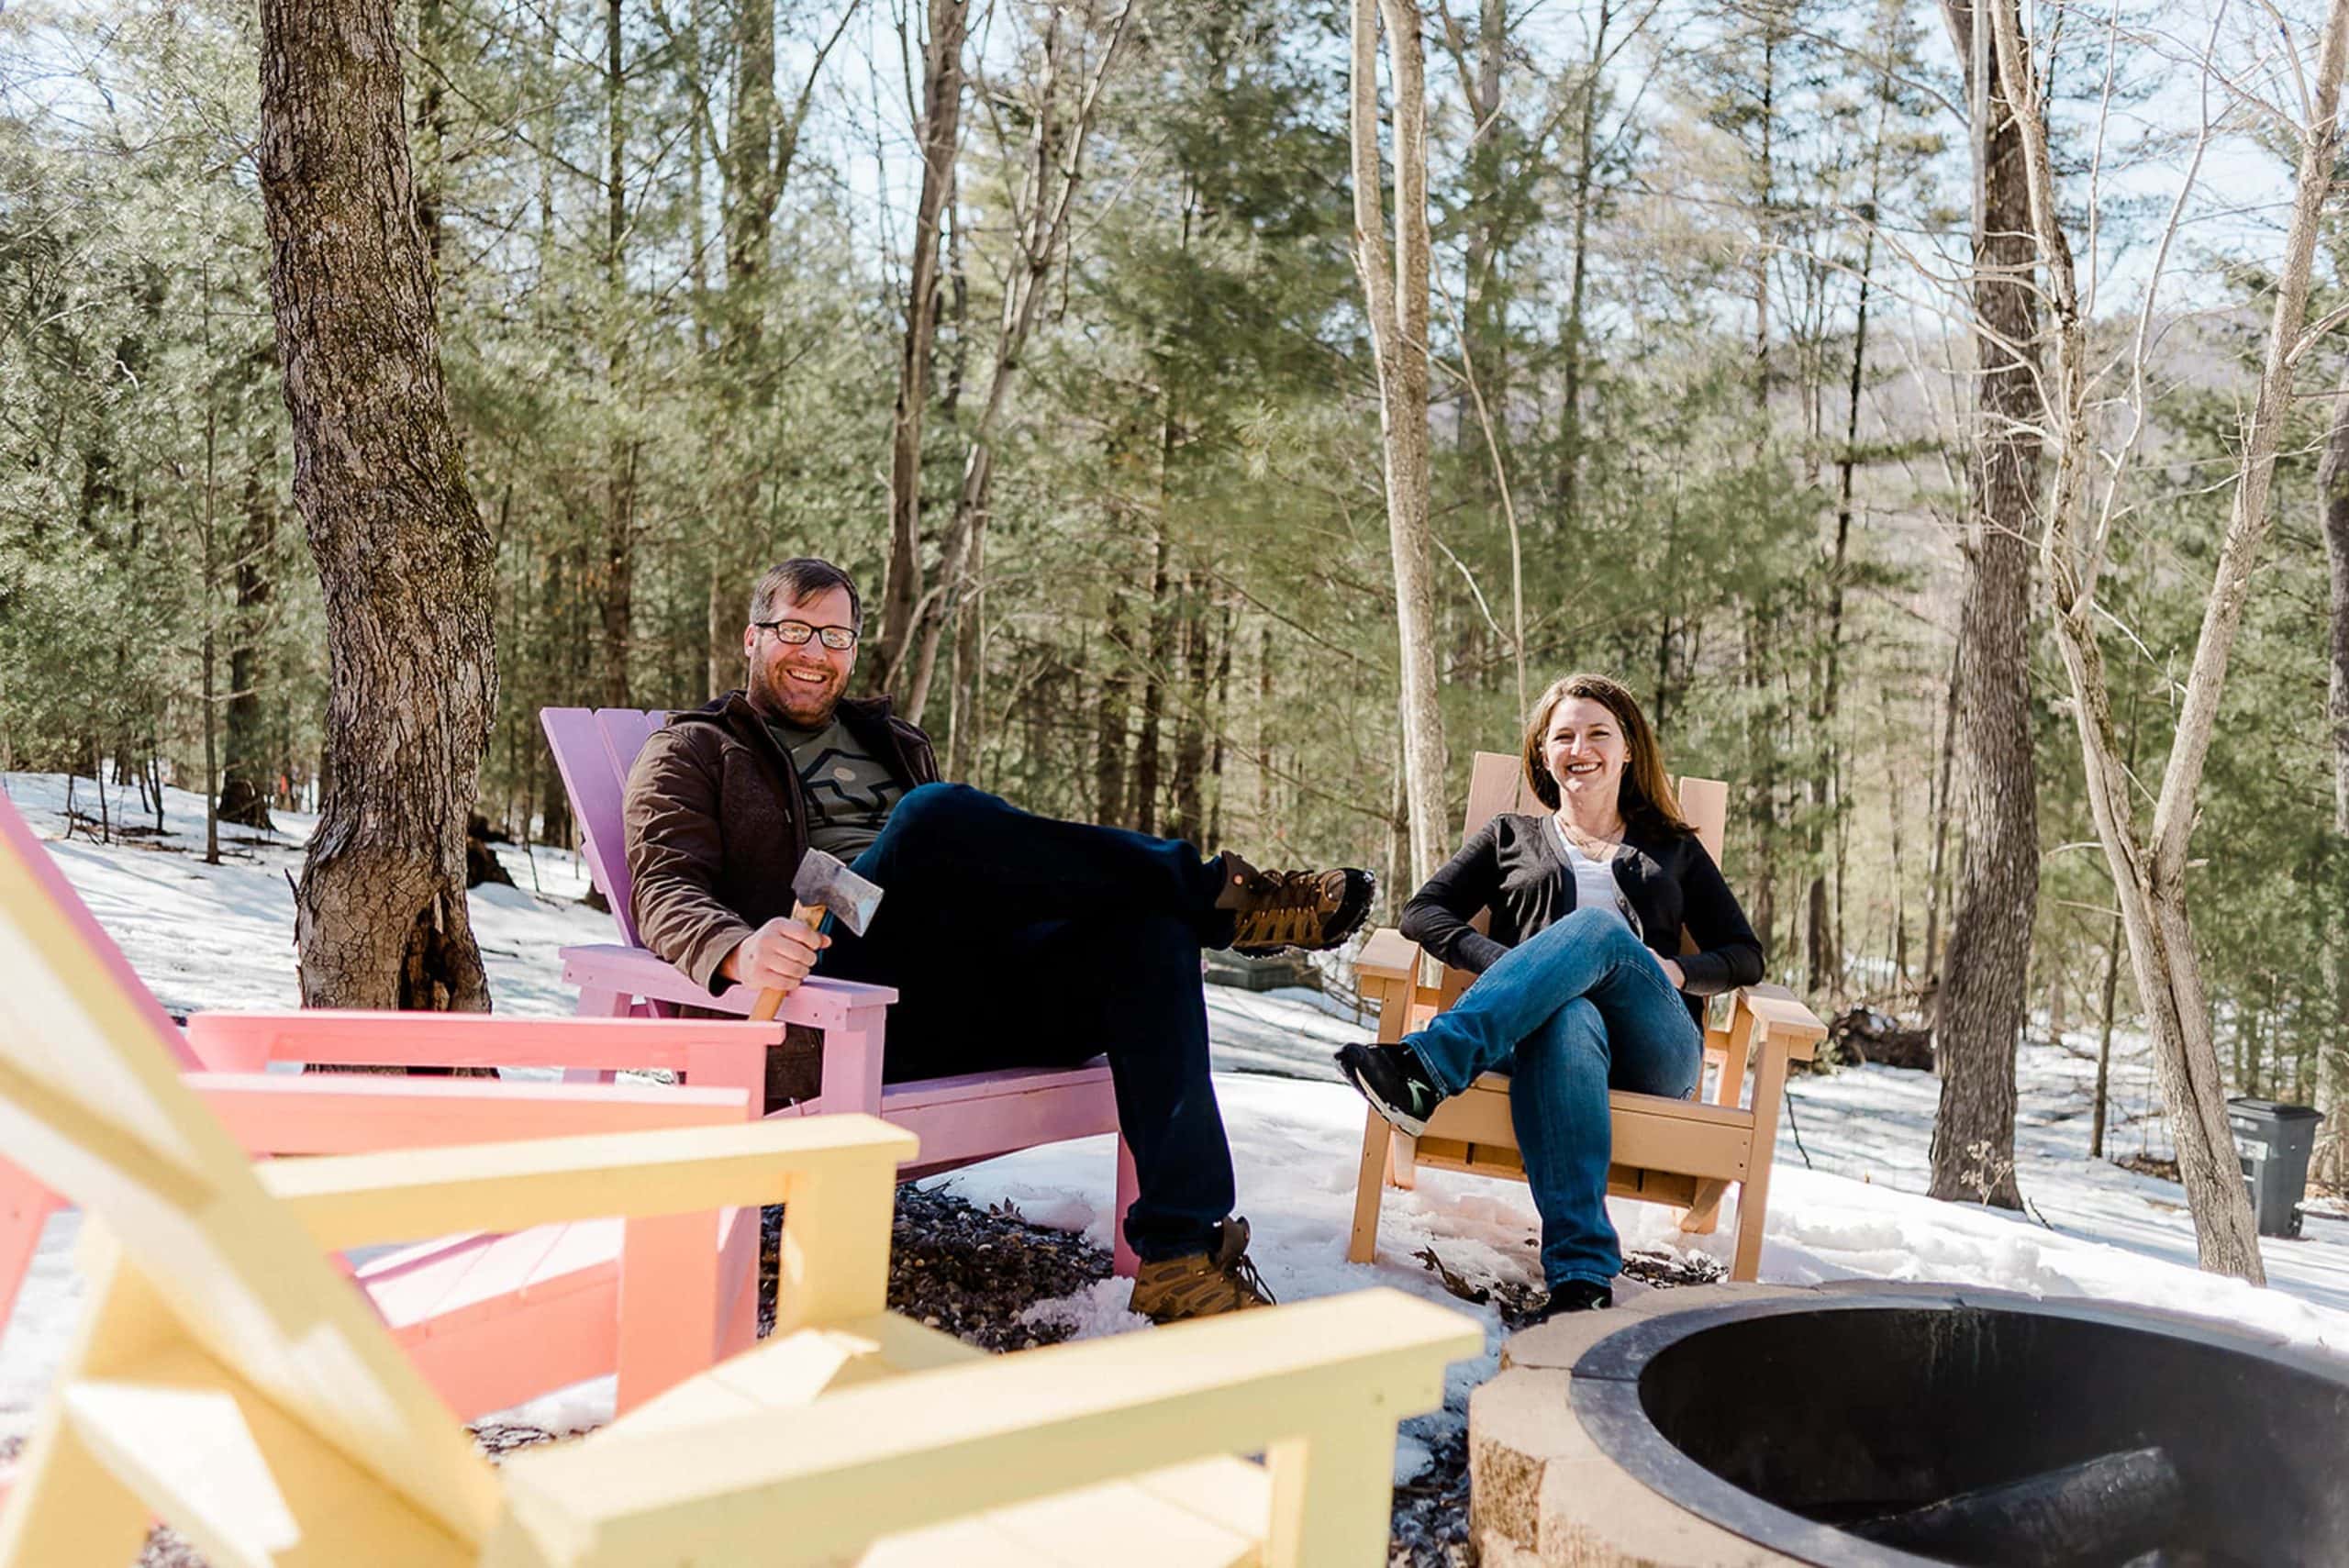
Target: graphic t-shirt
(850,792)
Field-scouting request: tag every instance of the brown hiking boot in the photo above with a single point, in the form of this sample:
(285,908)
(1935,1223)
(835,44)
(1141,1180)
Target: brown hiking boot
(1200,1285)
(1280,909)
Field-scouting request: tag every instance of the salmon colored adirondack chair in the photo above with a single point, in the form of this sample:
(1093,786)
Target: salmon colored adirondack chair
(1683,1152)
(228,1380)
(971,1117)
(490,1320)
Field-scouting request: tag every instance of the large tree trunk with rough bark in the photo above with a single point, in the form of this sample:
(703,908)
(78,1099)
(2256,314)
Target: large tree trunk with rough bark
(1397,293)
(404,559)
(941,117)
(2332,1059)
(1978,1014)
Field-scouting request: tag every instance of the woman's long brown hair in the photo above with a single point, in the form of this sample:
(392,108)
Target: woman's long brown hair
(1645,798)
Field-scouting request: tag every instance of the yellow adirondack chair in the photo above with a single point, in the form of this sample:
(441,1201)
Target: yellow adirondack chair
(1681,1152)
(228,1381)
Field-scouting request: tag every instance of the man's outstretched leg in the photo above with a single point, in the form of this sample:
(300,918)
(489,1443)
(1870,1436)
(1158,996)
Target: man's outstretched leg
(953,844)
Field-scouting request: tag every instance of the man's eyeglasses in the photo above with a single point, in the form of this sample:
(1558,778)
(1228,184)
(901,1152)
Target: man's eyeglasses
(839,639)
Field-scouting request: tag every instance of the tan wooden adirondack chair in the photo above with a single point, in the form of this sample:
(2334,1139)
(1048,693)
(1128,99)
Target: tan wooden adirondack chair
(1681,1152)
(230,1382)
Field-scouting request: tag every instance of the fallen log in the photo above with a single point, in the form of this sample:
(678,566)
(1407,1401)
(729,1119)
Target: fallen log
(2104,1510)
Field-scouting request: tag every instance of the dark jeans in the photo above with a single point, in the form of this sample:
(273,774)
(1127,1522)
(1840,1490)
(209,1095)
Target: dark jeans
(1015,940)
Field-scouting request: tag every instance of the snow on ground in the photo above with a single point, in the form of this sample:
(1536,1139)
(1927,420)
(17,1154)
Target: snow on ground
(1846,1201)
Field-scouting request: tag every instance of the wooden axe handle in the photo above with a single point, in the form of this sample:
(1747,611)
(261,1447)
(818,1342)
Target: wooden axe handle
(770,1002)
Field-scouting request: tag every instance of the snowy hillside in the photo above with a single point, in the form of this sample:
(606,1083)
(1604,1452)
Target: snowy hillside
(1846,1201)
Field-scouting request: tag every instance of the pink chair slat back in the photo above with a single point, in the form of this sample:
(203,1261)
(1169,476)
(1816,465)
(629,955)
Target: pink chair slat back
(593,749)
(94,1105)
(25,846)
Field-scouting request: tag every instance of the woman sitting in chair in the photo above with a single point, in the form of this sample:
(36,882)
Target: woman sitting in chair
(1581,986)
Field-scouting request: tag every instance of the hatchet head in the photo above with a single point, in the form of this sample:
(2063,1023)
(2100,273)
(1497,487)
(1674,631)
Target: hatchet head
(823,883)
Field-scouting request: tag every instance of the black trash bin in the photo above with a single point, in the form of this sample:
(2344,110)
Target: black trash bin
(2274,1141)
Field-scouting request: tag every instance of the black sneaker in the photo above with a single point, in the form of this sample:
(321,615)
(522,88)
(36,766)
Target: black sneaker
(1394,1082)
(1575,1296)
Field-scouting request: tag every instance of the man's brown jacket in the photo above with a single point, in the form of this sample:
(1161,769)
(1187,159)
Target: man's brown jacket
(716,824)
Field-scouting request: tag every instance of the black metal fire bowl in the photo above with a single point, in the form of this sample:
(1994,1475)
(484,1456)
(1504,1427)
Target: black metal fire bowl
(1898,1426)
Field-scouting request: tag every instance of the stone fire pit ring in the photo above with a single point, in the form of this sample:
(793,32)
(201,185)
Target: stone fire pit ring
(1834,1427)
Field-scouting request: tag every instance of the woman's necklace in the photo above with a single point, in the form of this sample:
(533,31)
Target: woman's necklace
(1596,847)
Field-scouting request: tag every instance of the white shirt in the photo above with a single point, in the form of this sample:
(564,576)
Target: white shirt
(1595,885)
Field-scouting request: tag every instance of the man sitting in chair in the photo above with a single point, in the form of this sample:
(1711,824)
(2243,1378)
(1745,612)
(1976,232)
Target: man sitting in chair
(1099,928)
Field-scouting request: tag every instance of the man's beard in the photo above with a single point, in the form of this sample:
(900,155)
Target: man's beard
(802,706)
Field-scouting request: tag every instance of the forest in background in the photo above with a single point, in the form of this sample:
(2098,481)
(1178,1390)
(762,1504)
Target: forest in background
(1702,370)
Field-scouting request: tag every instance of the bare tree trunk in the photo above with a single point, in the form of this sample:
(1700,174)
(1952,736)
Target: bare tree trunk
(1153,688)
(1936,869)
(1764,213)
(1979,1010)
(619,577)
(209,525)
(1051,187)
(1586,161)
(1483,306)
(2112,953)
(1397,293)
(2149,868)
(245,764)
(1896,798)
(404,559)
(1826,957)
(1263,830)
(2331,1162)
(2104,1039)
(1222,726)
(964,717)
(941,118)
(1109,727)
(431,124)
(1190,726)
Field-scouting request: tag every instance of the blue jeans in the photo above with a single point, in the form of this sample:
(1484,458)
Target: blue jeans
(1016,940)
(1571,1012)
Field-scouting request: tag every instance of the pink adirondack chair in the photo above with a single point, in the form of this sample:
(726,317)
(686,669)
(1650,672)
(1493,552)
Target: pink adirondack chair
(490,1320)
(961,1119)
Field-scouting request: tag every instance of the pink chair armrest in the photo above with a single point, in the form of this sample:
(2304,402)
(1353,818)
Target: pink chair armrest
(821,1003)
(284,1113)
(247,1041)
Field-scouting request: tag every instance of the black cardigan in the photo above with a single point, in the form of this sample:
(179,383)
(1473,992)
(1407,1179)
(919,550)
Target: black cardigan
(1513,865)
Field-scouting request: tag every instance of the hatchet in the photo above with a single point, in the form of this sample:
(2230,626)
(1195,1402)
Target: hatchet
(823,884)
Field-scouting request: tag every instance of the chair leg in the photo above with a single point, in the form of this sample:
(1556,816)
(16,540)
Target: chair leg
(25,1208)
(668,1302)
(1122,1258)
(1703,1216)
(1370,1188)
(605,1004)
(66,1507)
(1403,1171)
(738,1285)
(1332,1494)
